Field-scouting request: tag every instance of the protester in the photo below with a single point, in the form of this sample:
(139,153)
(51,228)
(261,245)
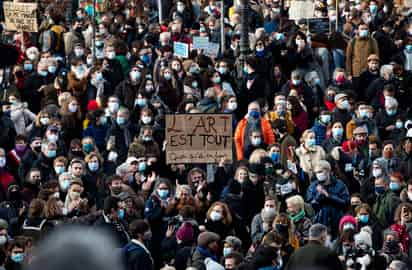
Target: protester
(314,170)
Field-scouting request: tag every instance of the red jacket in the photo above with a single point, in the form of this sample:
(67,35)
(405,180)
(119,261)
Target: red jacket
(403,236)
(5,178)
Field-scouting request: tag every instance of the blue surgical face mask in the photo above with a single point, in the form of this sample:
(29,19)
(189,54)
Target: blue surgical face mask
(254,114)
(145,58)
(337,132)
(391,112)
(42,73)
(363,33)
(295,82)
(120,213)
(163,193)
(28,67)
(364,219)
(17,258)
(120,120)
(222,70)
(394,186)
(310,142)
(408,48)
(280,36)
(373,9)
(52,69)
(275,156)
(51,153)
(168,76)
(227,251)
(99,76)
(142,166)
(93,166)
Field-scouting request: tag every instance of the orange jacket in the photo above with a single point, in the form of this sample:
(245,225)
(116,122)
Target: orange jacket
(267,132)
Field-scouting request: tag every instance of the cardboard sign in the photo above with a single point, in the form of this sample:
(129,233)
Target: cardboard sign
(201,43)
(20,16)
(198,138)
(301,10)
(212,50)
(181,49)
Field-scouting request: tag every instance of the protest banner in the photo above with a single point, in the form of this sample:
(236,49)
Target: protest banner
(301,10)
(198,138)
(181,49)
(20,16)
(201,43)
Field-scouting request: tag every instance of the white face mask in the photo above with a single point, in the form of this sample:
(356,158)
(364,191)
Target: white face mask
(232,106)
(146,119)
(44,121)
(377,172)
(52,138)
(72,108)
(113,107)
(410,195)
(2,162)
(111,55)
(215,216)
(3,240)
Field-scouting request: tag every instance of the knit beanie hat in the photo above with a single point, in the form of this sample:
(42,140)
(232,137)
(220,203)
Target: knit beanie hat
(185,232)
(363,237)
(348,222)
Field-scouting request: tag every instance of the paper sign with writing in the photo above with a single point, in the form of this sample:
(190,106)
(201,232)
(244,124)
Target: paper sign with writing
(181,49)
(20,16)
(212,50)
(198,138)
(201,43)
(301,10)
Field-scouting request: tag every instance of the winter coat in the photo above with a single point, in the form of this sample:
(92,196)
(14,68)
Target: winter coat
(309,158)
(254,198)
(71,39)
(383,120)
(137,257)
(123,138)
(342,116)
(329,210)
(267,132)
(117,231)
(385,206)
(7,134)
(316,256)
(127,93)
(256,229)
(272,116)
(22,118)
(357,53)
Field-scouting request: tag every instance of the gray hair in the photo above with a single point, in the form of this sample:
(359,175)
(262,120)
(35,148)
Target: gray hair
(317,230)
(398,265)
(323,165)
(386,69)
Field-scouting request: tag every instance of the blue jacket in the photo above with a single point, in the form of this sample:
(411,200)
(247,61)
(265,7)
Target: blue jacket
(329,210)
(320,131)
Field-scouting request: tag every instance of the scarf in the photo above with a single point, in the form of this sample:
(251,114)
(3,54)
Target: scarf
(298,216)
(206,253)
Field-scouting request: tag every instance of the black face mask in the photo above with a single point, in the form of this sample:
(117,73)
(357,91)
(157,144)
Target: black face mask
(14,196)
(37,149)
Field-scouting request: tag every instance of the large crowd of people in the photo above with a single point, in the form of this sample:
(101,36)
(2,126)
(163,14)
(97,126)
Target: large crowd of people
(321,175)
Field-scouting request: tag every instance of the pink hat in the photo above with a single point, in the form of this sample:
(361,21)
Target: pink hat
(346,222)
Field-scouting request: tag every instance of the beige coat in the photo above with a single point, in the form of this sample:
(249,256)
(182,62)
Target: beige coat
(357,53)
(309,159)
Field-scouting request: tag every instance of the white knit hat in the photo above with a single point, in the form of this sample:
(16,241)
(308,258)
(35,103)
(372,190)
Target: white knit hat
(363,237)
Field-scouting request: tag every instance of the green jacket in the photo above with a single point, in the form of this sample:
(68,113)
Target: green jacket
(385,206)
